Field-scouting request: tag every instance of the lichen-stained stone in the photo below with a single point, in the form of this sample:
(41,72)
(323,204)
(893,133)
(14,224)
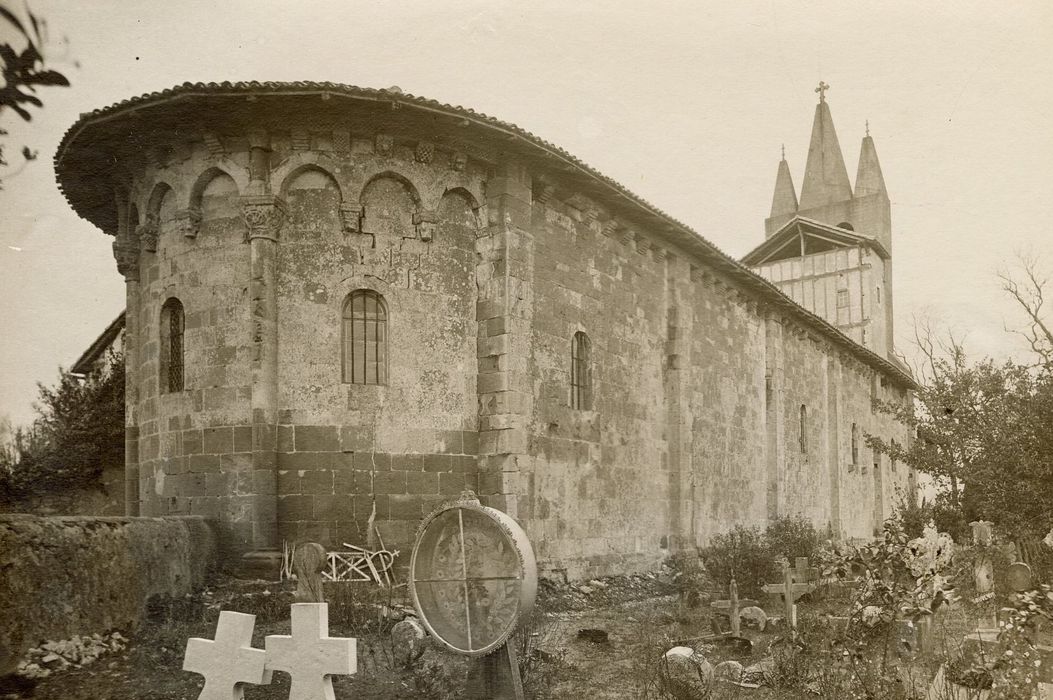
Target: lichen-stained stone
(229,661)
(309,654)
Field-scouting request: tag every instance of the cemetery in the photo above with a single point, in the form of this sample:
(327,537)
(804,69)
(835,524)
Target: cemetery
(464,614)
(407,402)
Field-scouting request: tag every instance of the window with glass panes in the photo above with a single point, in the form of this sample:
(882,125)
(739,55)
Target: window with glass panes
(365,337)
(171,365)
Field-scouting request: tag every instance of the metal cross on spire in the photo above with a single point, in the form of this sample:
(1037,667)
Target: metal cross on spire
(784,151)
(823,87)
(868,127)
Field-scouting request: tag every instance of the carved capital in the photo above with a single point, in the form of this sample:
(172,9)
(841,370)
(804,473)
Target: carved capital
(189,222)
(425,221)
(351,216)
(263,216)
(126,253)
(424,152)
(147,233)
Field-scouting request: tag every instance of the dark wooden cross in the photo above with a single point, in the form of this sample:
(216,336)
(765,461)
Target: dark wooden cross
(823,87)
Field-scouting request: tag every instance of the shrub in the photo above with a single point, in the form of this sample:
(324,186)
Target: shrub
(742,554)
(749,556)
(792,537)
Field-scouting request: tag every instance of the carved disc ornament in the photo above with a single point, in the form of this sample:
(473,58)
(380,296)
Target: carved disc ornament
(472,576)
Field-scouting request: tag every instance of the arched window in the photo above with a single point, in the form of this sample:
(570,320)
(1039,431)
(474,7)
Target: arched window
(172,325)
(803,438)
(365,338)
(580,373)
(855,444)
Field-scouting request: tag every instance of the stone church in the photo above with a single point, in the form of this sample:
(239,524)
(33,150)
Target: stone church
(346,305)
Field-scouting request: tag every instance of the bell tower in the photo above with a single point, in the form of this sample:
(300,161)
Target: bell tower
(841,237)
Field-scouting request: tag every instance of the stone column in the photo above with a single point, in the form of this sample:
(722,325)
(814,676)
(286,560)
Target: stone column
(504,279)
(264,215)
(126,252)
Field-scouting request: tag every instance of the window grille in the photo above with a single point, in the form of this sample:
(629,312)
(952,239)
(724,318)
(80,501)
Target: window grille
(365,323)
(172,326)
(580,373)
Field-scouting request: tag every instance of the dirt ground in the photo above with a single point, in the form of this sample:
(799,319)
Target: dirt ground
(640,616)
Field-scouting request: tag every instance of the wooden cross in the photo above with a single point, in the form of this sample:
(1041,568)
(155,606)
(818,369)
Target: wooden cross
(228,662)
(309,654)
(733,596)
(823,87)
(799,580)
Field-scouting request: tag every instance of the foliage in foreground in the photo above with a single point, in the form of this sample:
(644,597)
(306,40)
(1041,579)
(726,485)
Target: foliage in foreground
(23,71)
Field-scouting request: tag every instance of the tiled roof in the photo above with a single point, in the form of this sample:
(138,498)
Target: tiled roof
(102,344)
(663,224)
(790,229)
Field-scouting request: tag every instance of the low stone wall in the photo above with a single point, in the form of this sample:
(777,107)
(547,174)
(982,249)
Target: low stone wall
(66,576)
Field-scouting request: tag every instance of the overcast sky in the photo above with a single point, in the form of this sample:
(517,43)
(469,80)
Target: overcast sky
(687,104)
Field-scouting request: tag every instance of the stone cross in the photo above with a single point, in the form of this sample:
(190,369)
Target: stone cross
(228,662)
(823,87)
(309,654)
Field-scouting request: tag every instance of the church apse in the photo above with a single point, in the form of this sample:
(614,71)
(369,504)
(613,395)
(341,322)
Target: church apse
(386,301)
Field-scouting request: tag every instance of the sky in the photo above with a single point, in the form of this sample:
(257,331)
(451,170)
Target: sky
(685,103)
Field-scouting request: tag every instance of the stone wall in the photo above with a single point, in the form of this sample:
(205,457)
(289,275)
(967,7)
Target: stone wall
(66,576)
(486,265)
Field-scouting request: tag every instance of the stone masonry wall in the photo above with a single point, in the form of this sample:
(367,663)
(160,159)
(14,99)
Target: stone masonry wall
(194,444)
(486,270)
(400,448)
(599,488)
(66,576)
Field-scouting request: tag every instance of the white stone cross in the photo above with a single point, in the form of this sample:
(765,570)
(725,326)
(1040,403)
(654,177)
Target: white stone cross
(228,662)
(309,654)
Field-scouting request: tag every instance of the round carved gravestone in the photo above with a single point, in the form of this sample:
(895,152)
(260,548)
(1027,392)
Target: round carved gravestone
(472,576)
(1018,576)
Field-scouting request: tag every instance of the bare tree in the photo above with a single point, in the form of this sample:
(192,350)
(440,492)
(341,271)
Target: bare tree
(1027,286)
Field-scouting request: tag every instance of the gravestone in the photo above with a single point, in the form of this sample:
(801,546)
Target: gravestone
(408,640)
(797,581)
(983,578)
(472,577)
(684,671)
(309,654)
(229,661)
(309,558)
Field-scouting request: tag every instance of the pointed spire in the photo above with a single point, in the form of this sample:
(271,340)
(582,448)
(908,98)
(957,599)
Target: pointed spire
(785,199)
(869,179)
(825,176)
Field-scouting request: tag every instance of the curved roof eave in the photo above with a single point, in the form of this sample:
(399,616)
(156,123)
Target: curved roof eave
(666,225)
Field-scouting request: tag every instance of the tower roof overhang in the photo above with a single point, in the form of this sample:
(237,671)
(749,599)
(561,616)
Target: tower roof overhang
(801,228)
(88,160)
